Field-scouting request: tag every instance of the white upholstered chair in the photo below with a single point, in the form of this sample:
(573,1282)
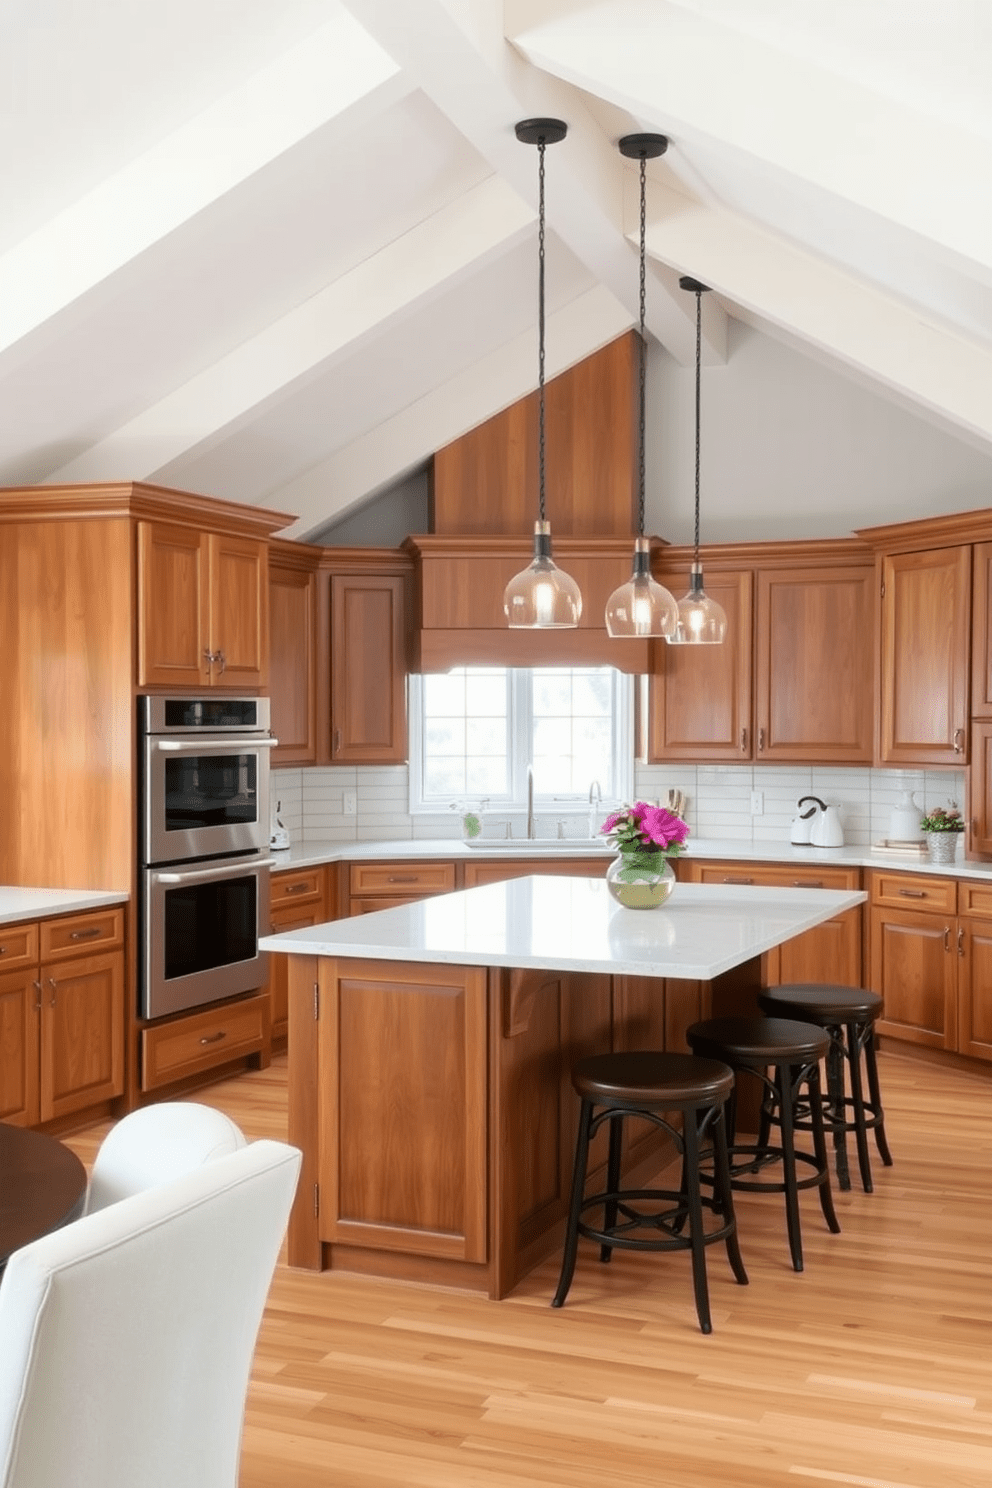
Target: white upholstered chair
(126,1338)
(156,1143)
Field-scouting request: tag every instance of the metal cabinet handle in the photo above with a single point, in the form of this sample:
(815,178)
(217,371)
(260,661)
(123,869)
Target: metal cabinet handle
(55,987)
(213,1038)
(86,934)
(297,888)
(402,878)
(223,662)
(913,893)
(947,937)
(37,988)
(743,741)
(960,941)
(807,883)
(729,880)
(761,739)
(3,950)
(958,741)
(337,741)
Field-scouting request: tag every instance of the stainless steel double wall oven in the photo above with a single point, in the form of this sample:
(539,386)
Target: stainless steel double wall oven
(204,834)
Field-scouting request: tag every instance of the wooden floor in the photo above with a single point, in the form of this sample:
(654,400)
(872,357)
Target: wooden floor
(873,1367)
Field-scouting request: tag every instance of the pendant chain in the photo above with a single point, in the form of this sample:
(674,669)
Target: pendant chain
(699,345)
(643,357)
(540,332)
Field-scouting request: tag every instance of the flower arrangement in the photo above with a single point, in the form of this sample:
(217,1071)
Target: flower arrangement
(645,833)
(939,820)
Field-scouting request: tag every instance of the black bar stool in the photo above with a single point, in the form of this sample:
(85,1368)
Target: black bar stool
(646,1084)
(792,1050)
(848,1015)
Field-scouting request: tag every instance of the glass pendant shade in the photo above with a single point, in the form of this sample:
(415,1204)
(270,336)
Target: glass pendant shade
(542,597)
(701,620)
(641,607)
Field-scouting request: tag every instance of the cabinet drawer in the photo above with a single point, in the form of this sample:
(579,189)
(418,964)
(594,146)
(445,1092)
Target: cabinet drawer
(975,898)
(302,887)
(914,891)
(203,1040)
(407,879)
(776,876)
(80,934)
(18,946)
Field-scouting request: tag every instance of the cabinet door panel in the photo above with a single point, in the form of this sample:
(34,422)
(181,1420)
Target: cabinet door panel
(813,682)
(699,697)
(368,671)
(293,672)
(979,838)
(239,610)
(828,953)
(981,633)
(173,620)
(82,1033)
(914,967)
(975,989)
(925,651)
(19,993)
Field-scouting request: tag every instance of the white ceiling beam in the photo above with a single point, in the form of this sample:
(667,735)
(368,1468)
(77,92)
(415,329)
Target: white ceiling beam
(336,71)
(458,55)
(827,309)
(408,439)
(420,265)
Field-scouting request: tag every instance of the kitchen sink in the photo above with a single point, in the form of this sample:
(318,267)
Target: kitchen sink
(521,846)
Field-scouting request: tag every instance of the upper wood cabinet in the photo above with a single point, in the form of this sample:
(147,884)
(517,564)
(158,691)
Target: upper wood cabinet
(293,651)
(813,665)
(369,627)
(203,608)
(791,682)
(981,631)
(924,656)
(698,699)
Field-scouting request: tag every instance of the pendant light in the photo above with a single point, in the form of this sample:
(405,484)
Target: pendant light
(641,607)
(541,597)
(702,622)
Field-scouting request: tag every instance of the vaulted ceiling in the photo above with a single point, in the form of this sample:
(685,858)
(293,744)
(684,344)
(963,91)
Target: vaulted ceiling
(281,253)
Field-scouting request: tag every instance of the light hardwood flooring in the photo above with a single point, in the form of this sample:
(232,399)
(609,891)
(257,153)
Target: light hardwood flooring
(873,1367)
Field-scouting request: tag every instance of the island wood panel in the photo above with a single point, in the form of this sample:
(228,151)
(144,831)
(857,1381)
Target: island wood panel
(813,667)
(65,622)
(20,993)
(698,702)
(298,900)
(368,669)
(485,482)
(403,1163)
(293,664)
(925,668)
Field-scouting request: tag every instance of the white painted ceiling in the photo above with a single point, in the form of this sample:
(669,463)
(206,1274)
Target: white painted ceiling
(281,253)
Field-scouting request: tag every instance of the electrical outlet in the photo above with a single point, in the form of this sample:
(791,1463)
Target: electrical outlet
(350,803)
(757,803)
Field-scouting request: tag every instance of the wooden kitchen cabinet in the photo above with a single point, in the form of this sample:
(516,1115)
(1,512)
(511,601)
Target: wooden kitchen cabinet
(293,652)
(62,1016)
(299,899)
(698,698)
(369,624)
(383,885)
(500,869)
(925,651)
(203,608)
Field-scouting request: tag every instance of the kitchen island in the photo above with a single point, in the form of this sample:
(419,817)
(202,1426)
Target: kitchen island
(430,1048)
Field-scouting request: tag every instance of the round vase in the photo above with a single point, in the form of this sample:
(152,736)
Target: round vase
(640,880)
(942,846)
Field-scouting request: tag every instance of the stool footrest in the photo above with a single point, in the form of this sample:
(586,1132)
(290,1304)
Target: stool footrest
(670,1222)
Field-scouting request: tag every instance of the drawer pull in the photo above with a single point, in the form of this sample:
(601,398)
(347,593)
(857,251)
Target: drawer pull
(913,893)
(297,888)
(86,934)
(743,741)
(729,880)
(947,937)
(213,1038)
(959,741)
(807,883)
(960,942)
(402,878)
(3,950)
(37,988)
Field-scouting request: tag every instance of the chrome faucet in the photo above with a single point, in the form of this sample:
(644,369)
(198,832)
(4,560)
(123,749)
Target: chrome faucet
(530,801)
(595,799)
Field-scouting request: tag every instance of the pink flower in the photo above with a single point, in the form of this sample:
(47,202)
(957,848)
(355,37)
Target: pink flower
(645,828)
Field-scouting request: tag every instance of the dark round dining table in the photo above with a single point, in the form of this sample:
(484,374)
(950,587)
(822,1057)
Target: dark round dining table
(42,1186)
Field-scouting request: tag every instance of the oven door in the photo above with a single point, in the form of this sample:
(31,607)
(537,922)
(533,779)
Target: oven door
(200,930)
(204,797)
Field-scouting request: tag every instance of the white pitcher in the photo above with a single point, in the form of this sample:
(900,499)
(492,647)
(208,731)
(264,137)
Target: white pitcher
(827,829)
(904,823)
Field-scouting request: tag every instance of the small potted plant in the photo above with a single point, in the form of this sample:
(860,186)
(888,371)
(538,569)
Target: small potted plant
(645,836)
(942,827)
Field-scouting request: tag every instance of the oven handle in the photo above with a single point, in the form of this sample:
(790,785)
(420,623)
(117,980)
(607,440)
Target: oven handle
(201,875)
(208,746)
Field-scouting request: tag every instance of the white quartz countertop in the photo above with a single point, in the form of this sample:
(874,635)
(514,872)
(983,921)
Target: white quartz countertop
(573,924)
(39,904)
(311,854)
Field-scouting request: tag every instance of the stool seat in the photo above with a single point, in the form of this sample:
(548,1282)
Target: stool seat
(848,1015)
(654,1086)
(793,1050)
(644,1079)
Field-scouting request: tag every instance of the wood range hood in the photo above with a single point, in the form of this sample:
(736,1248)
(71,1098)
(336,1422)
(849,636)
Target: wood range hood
(484,499)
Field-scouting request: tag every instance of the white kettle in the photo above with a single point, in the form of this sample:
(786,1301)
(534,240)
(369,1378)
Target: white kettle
(802,823)
(827,829)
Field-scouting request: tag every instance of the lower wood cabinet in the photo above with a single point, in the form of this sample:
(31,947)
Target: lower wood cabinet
(62,1013)
(931,959)
(374,886)
(504,868)
(299,899)
(197,1042)
(829,953)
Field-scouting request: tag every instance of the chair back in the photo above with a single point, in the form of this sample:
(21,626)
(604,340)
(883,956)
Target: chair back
(128,1336)
(156,1143)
